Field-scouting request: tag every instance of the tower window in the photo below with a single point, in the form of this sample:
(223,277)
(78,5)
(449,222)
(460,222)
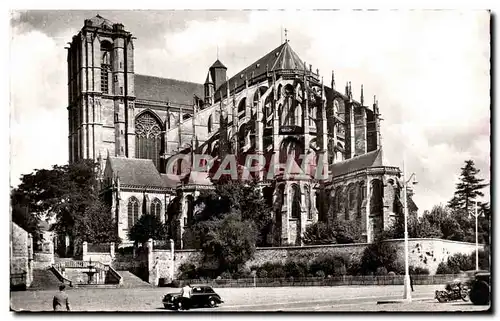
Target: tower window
(106,51)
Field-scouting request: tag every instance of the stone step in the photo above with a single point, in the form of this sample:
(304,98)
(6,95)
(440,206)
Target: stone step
(44,279)
(131,280)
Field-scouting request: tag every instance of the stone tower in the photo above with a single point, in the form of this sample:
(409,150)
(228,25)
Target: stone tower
(101,92)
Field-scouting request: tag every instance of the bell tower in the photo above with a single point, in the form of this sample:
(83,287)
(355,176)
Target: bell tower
(101,94)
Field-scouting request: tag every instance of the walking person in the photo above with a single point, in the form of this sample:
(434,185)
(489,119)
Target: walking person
(61,300)
(411,283)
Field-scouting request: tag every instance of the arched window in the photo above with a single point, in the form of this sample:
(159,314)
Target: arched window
(106,52)
(209,124)
(242,105)
(148,138)
(361,197)
(351,194)
(291,148)
(295,201)
(132,211)
(156,208)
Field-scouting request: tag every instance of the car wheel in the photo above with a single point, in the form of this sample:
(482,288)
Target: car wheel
(464,294)
(212,303)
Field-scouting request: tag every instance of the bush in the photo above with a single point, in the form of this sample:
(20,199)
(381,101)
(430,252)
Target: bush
(379,254)
(333,265)
(295,269)
(225,275)
(391,273)
(320,274)
(421,271)
(443,268)
(261,273)
(187,271)
(381,270)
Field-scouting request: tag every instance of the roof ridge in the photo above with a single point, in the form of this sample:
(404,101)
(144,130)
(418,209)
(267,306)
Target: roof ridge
(184,81)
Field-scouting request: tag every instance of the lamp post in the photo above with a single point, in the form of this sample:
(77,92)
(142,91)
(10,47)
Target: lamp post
(477,243)
(407,285)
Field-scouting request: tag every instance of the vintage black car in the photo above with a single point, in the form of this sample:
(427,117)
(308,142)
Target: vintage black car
(480,288)
(201,296)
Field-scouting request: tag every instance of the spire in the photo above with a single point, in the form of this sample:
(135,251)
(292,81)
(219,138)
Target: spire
(322,90)
(362,98)
(333,80)
(209,79)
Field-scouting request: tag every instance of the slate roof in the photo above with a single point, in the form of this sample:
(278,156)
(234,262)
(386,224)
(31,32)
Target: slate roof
(280,58)
(99,21)
(135,171)
(166,89)
(218,64)
(197,178)
(371,159)
(170,180)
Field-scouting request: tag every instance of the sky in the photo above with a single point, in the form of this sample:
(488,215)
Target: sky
(430,71)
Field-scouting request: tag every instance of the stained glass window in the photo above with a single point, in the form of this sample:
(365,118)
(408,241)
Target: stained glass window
(148,138)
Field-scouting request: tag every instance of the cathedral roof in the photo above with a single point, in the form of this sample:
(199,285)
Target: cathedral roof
(171,180)
(371,159)
(99,21)
(166,89)
(280,58)
(135,171)
(196,178)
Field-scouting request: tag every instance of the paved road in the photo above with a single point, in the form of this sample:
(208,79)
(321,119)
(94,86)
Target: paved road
(341,298)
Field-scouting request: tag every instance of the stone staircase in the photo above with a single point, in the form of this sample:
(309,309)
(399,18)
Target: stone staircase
(130,280)
(44,279)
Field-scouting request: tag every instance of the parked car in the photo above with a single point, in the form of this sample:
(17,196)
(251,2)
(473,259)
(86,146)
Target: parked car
(480,288)
(201,296)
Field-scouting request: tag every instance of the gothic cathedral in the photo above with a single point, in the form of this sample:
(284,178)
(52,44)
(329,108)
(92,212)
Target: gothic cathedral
(277,108)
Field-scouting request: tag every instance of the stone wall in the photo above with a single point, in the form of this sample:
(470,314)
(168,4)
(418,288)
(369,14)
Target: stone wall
(425,253)
(21,256)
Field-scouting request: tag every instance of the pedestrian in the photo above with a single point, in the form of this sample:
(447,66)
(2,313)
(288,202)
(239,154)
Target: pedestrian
(185,297)
(411,283)
(61,299)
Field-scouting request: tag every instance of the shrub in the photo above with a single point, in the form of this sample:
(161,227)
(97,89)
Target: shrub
(295,269)
(421,271)
(187,271)
(443,268)
(320,274)
(225,275)
(391,273)
(379,254)
(333,265)
(126,250)
(381,270)
(261,273)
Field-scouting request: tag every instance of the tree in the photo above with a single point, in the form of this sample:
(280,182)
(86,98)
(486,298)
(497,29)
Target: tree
(231,242)
(346,232)
(379,254)
(69,194)
(236,196)
(148,227)
(468,188)
(319,233)
(97,225)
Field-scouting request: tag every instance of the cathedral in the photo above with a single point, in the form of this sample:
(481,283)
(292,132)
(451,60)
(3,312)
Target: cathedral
(277,108)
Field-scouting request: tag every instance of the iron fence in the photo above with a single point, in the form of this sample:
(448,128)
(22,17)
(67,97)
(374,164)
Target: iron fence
(319,281)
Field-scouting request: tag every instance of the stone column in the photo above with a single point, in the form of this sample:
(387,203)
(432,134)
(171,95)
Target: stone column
(172,260)
(368,228)
(84,250)
(112,250)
